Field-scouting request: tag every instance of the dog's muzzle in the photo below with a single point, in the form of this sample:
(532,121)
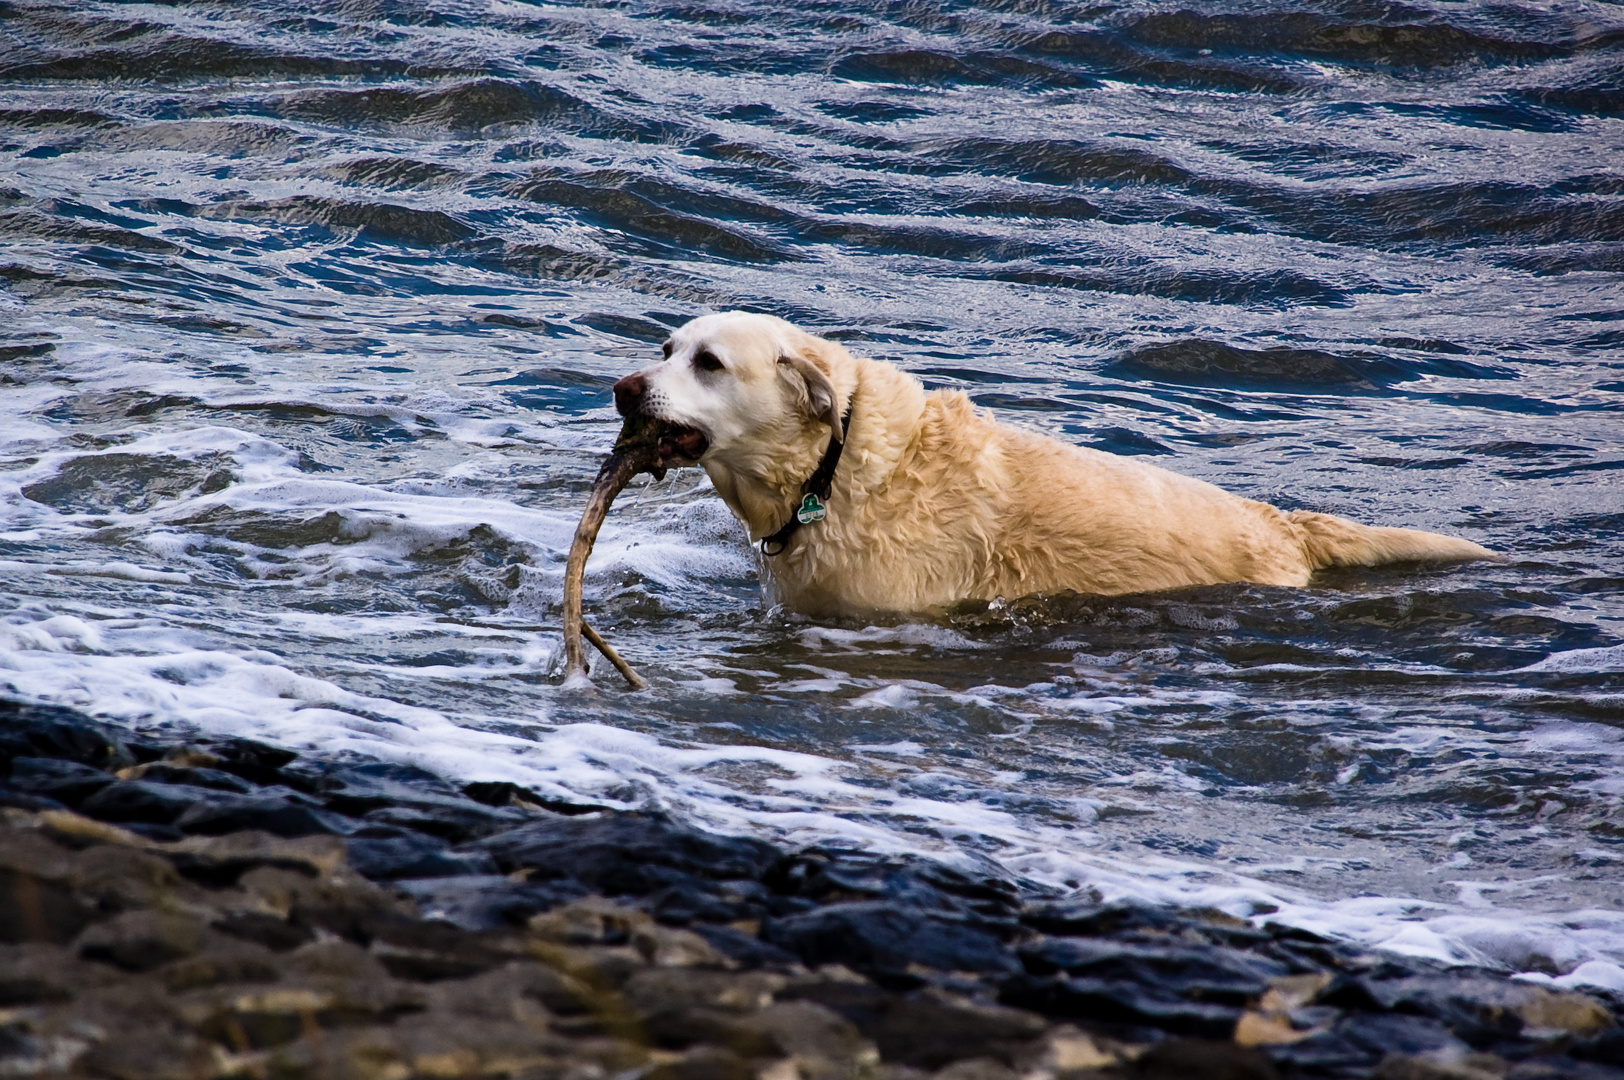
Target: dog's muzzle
(678,442)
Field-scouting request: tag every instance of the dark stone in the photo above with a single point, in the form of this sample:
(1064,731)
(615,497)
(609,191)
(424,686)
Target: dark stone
(230,965)
(357,789)
(412,855)
(136,801)
(160,772)
(32,909)
(502,793)
(283,814)
(928,1033)
(862,1003)
(265,929)
(1119,1001)
(690,901)
(877,936)
(142,940)
(828,877)
(1135,921)
(19,800)
(747,950)
(455,823)
(1395,1033)
(1606,1048)
(21,991)
(487,901)
(1188,1059)
(682,1027)
(705,1064)
(254,762)
(1224,976)
(626,853)
(427,951)
(65,781)
(1478,1010)
(48,731)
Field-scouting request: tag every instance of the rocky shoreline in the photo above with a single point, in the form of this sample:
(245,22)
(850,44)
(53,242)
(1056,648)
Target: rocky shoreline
(221,908)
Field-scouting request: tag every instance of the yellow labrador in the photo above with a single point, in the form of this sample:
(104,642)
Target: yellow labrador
(869,494)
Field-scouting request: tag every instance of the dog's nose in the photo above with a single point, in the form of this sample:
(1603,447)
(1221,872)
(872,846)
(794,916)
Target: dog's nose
(629,393)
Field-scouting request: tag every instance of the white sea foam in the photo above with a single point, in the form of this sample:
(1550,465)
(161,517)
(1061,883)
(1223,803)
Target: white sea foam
(1580,661)
(143,671)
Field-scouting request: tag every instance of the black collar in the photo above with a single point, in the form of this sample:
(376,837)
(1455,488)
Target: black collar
(814,492)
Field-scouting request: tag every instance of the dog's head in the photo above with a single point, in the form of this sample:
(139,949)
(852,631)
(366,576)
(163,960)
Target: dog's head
(734,384)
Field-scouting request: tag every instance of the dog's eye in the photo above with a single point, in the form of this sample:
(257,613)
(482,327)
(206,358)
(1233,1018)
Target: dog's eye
(705,360)
(666,349)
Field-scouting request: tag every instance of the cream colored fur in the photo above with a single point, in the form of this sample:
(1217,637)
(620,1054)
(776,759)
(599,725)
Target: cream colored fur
(934,502)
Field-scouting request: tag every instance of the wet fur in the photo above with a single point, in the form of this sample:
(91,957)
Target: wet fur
(934,502)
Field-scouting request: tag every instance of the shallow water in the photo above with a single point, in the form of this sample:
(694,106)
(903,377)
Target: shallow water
(310,315)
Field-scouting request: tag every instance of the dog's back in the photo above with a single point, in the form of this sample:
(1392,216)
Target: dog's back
(975,510)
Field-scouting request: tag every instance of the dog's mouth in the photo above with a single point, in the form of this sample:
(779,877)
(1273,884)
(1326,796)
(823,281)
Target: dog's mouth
(681,445)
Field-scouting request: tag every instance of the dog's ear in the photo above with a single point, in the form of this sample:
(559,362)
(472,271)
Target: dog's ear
(820,392)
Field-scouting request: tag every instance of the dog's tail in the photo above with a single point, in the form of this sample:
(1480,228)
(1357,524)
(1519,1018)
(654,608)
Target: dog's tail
(1334,541)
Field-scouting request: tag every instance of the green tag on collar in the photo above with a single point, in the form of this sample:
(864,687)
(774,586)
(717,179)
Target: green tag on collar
(811,510)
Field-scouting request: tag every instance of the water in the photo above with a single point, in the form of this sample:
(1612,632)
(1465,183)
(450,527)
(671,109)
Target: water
(311,311)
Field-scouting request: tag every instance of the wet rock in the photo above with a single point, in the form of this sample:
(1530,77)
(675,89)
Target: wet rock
(46,731)
(930,1032)
(265,929)
(222,860)
(454,823)
(926,1029)
(488,901)
(1188,1059)
(814,1034)
(1120,1001)
(41,974)
(360,789)
(627,854)
(253,761)
(595,922)
(741,946)
(139,802)
(163,772)
(267,811)
(703,1063)
(230,963)
(826,877)
(503,794)
(877,936)
(339,903)
(22,800)
(427,951)
(39,909)
(142,940)
(657,990)
(411,855)
(1606,1048)
(976,1069)
(1441,1065)
(712,902)
(65,781)
(1199,974)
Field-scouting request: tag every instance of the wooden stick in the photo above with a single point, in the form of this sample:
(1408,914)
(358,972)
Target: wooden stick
(608,650)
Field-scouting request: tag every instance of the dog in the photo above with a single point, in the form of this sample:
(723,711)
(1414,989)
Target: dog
(868,494)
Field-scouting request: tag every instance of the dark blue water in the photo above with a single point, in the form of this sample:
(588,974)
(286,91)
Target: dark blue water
(310,313)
